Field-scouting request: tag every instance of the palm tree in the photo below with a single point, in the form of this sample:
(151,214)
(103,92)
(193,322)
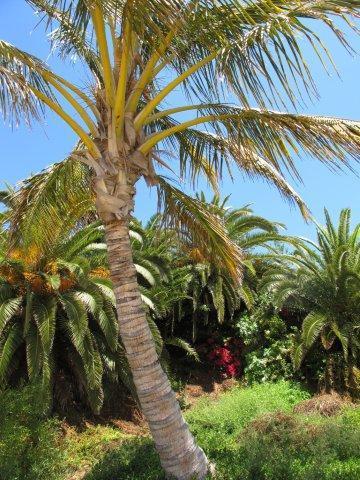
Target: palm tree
(57,315)
(209,287)
(323,281)
(137,53)
(64,281)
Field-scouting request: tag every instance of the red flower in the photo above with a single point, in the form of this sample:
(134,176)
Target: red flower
(225,355)
(212,355)
(231,370)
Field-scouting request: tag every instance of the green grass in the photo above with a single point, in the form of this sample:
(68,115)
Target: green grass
(218,424)
(249,433)
(274,447)
(82,450)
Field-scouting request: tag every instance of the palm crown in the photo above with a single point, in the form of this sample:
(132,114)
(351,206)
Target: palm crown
(323,281)
(58,308)
(139,52)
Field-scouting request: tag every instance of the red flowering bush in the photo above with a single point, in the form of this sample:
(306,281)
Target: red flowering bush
(224,355)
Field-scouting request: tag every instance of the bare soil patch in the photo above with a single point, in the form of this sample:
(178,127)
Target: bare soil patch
(205,383)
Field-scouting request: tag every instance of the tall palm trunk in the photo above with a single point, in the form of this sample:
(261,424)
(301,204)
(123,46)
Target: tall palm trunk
(180,457)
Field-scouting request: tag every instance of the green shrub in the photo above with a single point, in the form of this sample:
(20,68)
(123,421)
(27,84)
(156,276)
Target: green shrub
(267,341)
(279,446)
(269,364)
(223,420)
(28,442)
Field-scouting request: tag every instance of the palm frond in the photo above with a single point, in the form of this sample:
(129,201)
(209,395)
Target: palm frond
(260,53)
(65,38)
(183,345)
(311,328)
(7,350)
(34,352)
(8,309)
(51,202)
(19,72)
(188,214)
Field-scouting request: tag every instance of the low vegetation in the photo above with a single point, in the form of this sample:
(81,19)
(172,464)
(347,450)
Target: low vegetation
(249,433)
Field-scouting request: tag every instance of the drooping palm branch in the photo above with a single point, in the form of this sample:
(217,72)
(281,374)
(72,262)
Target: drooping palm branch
(249,44)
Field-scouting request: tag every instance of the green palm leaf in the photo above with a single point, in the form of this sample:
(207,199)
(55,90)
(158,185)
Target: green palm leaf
(297,353)
(34,352)
(216,290)
(8,309)
(312,326)
(183,345)
(44,311)
(77,320)
(7,350)
(342,336)
(108,323)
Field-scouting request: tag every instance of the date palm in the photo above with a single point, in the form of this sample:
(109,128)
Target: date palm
(57,315)
(322,280)
(210,288)
(58,325)
(137,53)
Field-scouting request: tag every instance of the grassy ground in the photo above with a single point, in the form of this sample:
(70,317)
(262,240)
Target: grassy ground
(249,433)
(252,434)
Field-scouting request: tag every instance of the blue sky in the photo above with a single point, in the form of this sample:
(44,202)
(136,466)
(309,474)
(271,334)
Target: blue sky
(25,151)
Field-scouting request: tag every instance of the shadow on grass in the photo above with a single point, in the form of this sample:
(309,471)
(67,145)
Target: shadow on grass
(133,460)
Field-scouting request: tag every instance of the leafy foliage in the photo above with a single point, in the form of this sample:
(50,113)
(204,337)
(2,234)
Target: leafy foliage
(57,314)
(212,297)
(266,334)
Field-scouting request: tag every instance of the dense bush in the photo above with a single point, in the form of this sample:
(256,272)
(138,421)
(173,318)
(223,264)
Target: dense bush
(267,342)
(28,442)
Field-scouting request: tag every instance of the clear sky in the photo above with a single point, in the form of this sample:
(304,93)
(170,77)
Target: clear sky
(25,151)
